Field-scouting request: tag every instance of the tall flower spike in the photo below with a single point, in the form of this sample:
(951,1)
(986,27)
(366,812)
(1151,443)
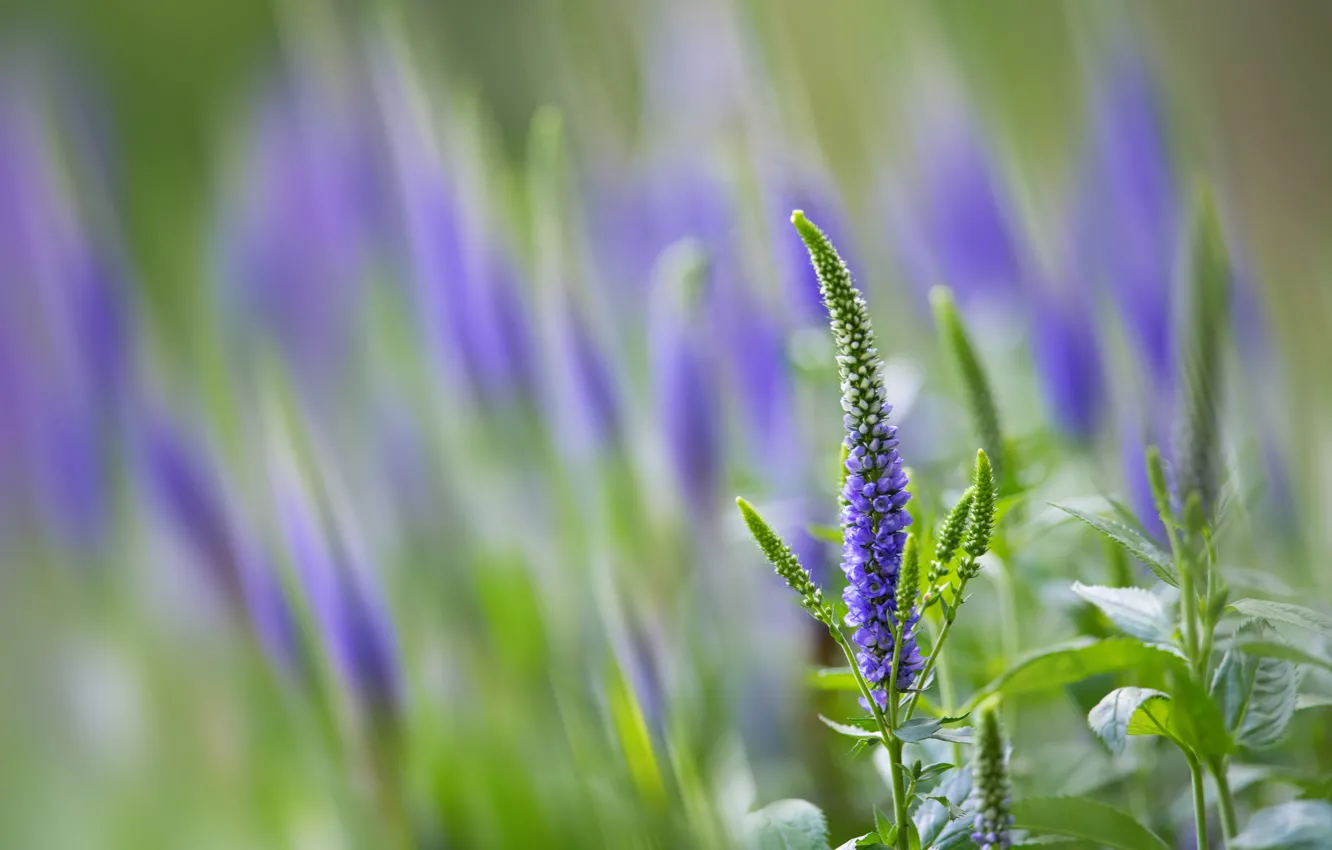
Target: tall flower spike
(786,564)
(983,506)
(979,398)
(950,535)
(1198,438)
(990,773)
(874,493)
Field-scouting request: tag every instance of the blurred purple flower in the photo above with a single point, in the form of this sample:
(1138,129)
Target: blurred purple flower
(63,354)
(1130,212)
(184,486)
(295,243)
(687,397)
(585,394)
(1068,359)
(352,619)
(956,226)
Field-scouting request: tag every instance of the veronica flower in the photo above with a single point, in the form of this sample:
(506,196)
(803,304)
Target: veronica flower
(874,494)
(992,821)
(1130,212)
(296,241)
(351,618)
(184,485)
(688,403)
(1068,359)
(956,227)
(63,357)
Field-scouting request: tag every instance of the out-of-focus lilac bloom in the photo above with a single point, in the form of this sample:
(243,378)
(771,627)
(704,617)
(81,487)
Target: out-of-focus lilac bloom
(632,219)
(1068,359)
(1130,212)
(592,403)
(955,227)
(351,618)
(184,485)
(296,241)
(62,354)
(687,398)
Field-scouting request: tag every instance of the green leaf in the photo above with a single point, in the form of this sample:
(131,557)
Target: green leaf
(1307,701)
(884,827)
(1079,817)
(1285,652)
(954,811)
(1257,696)
(1072,662)
(834,679)
(1284,612)
(1111,717)
(933,770)
(932,817)
(918,729)
(960,735)
(1136,611)
(786,825)
(1137,545)
(1301,825)
(851,731)
(853,843)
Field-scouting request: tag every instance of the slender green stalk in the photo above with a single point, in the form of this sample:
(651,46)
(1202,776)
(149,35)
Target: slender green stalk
(947,696)
(934,653)
(1199,800)
(886,730)
(1225,800)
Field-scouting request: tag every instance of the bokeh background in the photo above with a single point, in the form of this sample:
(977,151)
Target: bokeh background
(375,380)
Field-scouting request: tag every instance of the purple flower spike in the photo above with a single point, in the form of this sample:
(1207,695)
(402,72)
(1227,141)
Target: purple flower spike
(874,497)
(1068,359)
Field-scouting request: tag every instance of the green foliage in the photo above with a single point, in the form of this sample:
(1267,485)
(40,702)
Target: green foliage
(980,400)
(1064,664)
(1285,612)
(1137,612)
(908,579)
(933,817)
(786,564)
(1299,825)
(1257,696)
(950,535)
(1137,545)
(1079,817)
(1111,718)
(786,825)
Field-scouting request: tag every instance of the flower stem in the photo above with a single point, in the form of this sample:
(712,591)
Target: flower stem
(946,698)
(885,729)
(1199,801)
(1225,800)
(934,652)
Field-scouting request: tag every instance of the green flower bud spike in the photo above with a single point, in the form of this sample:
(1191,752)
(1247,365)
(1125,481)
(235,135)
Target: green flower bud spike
(993,793)
(983,506)
(787,565)
(980,399)
(908,580)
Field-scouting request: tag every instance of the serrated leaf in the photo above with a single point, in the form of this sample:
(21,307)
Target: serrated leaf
(884,827)
(931,818)
(1111,717)
(918,729)
(1300,825)
(1256,695)
(1136,611)
(953,810)
(1285,652)
(933,770)
(960,735)
(851,731)
(1284,612)
(1137,545)
(1079,817)
(1071,662)
(786,825)
(853,843)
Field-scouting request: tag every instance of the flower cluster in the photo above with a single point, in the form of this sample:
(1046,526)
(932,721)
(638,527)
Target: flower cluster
(874,493)
(990,771)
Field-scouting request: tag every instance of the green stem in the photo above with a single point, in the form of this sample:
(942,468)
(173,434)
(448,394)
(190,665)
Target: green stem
(934,652)
(1226,801)
(899,795)
(893,744)
(1188,599)
(1199,801)
(946,697)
